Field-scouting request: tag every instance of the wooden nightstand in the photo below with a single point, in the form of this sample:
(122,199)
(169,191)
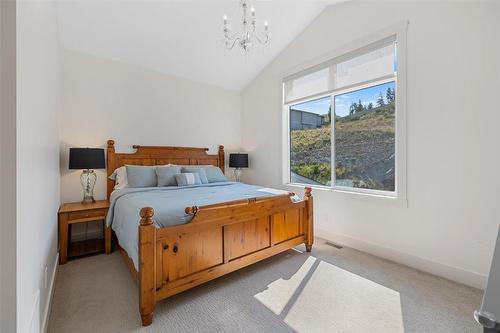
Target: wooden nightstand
(76,212)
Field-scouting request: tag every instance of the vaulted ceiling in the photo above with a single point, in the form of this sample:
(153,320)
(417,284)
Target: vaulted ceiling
(182,38)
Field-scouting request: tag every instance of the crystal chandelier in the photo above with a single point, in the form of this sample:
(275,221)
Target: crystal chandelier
(249,35)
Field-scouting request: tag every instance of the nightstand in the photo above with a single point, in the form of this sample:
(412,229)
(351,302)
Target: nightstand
(77,212)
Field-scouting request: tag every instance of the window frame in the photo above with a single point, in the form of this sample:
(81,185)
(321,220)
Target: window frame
(397,34)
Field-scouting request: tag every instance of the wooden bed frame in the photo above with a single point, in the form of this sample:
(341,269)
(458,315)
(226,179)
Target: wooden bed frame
(220,238)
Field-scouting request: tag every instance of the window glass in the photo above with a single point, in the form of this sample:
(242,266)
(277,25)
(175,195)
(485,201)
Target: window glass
(310,143)
(365,138)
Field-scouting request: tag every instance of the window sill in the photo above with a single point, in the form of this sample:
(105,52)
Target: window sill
(364,196)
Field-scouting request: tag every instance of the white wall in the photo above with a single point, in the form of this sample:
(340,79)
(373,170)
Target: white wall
(7,166)
(105,99)
(38,108)
(449,225)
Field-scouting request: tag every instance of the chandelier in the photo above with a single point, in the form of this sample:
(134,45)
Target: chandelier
(249,34)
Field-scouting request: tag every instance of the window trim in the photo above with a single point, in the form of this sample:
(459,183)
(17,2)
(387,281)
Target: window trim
(397,33)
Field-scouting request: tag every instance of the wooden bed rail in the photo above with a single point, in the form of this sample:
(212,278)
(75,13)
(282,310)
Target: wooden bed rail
(220,239)
(194,209)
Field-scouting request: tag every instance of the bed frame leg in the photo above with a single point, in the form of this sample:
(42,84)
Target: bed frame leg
(107,239)
(309,219)
(147,319)
(147,266)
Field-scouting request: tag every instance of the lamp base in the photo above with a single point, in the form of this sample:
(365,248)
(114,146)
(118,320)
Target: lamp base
(237,174)
(88,200)
(88,179)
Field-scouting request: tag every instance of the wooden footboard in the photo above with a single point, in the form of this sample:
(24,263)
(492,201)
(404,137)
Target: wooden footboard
(219,239)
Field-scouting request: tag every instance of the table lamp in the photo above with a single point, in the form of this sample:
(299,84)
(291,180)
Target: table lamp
(238,161)
(87,159)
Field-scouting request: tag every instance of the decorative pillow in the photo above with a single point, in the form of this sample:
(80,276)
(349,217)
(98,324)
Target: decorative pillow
(141,176)
(214,174)
(200,171)
(166,175)
(185,179)
(120,178)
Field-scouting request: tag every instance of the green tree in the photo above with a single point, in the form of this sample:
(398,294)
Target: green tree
(352,108)
(370,106)
(380,100)
(329,120)
(390,95)
(360,107)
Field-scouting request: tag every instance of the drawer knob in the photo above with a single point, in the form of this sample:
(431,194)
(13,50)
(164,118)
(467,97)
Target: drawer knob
(175,248)
(165,247)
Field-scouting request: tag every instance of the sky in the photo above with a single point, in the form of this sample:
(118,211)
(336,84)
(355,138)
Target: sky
(344,101)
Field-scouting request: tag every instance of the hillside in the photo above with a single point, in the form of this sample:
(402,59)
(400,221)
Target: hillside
(364,148)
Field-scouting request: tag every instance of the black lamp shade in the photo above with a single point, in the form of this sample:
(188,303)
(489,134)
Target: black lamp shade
(86,158)
(238,160)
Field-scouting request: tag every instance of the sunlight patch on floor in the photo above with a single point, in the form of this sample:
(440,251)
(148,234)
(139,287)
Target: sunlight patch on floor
(278,293)
(331,299)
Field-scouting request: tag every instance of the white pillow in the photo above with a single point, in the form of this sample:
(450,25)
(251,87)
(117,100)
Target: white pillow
(120,178)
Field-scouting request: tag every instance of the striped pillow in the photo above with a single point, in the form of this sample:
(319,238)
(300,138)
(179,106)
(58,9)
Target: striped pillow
(186,179)
(200,171)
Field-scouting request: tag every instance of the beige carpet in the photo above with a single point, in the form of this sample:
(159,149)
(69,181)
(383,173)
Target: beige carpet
(329,290)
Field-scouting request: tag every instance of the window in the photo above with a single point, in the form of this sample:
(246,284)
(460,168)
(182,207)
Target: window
(342,122)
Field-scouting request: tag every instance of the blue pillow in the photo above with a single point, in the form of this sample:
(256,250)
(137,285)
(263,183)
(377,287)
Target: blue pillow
(186,178)
(141,176)
(166,175)
(200,171)
(214,174)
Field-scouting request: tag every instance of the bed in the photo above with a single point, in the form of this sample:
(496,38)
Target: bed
(223,227)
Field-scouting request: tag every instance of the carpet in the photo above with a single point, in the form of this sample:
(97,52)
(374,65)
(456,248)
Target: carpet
(327,290)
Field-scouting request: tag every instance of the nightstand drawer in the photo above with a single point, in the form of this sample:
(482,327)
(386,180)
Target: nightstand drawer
(85,214)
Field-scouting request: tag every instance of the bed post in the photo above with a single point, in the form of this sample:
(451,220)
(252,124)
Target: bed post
(147,266)
(109,188)
(110,166)
(309,219)
(222,159)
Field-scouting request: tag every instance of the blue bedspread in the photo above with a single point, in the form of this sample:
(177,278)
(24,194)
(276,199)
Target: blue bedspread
(169,204)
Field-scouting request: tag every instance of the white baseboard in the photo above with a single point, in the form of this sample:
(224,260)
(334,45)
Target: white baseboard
(456,274)
(34,323)
(48,305)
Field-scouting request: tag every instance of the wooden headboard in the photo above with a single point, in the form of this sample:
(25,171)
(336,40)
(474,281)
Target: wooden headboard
(158,155)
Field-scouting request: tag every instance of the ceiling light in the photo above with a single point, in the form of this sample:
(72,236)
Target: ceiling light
(249,34)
